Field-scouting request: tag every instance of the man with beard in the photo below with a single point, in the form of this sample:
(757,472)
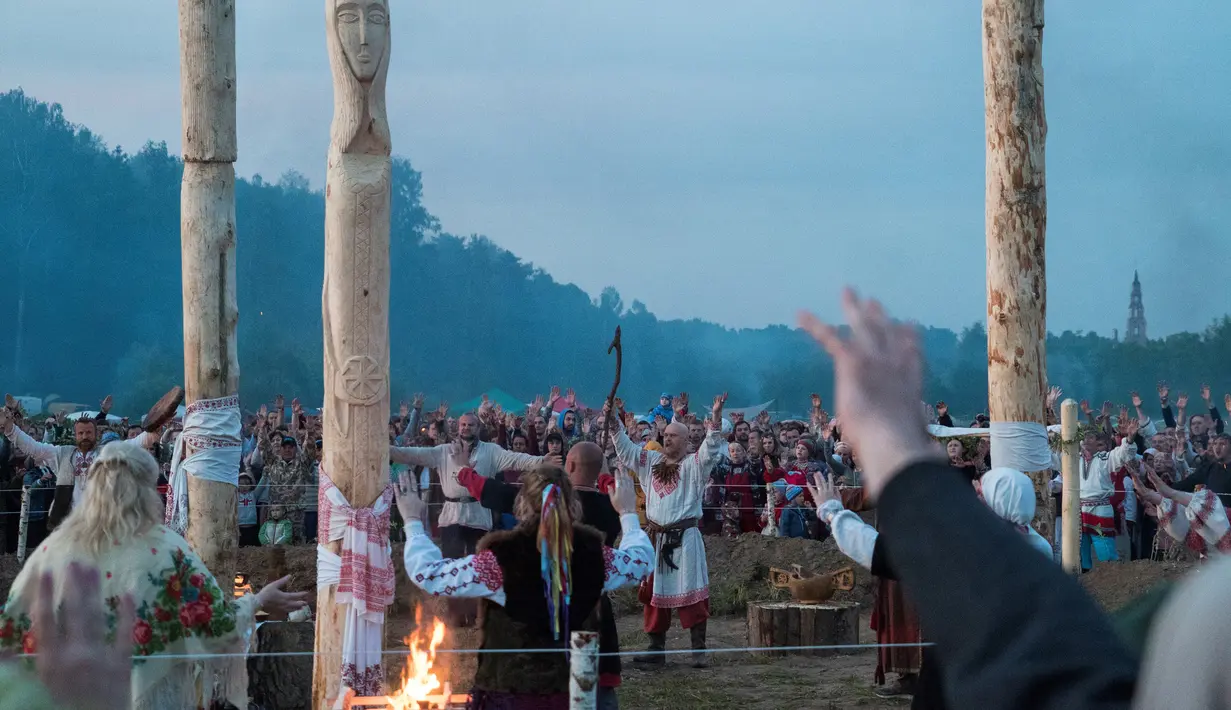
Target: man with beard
(463,521)
(674,484)
(69,463)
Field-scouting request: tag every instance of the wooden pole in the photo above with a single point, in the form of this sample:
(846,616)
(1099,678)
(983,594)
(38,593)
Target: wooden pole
(23,530)
(355,303)
(1070,505)
(1016,220)
(207,242)
(583,671)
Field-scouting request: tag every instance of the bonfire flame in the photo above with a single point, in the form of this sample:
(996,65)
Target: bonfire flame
(418,680)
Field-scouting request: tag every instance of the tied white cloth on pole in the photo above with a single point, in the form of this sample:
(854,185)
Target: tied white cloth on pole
(364,576)
(209,447)
(1021,446)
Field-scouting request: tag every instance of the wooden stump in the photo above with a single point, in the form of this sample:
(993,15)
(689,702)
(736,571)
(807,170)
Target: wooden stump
(282,682)
(793,624)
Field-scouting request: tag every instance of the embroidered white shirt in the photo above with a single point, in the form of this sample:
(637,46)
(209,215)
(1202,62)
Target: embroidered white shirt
(479,576)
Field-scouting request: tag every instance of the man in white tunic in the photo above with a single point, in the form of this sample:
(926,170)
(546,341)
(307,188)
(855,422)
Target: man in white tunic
(674,482)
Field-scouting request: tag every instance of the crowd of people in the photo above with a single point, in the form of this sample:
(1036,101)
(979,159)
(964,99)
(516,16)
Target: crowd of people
(579,502)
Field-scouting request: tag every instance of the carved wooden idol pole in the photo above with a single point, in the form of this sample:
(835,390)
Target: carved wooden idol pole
(207,241)
(1016,221)
(355,313)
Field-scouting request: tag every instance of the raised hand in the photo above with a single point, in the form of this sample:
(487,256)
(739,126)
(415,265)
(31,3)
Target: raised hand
(1123,414)
(1085,407)
(619,404)
(296,407)
(681,402)
(537,405)
(736,418)
(1226,402)
(660,423)
(629,420)
(555,395)
(623,495)
(1164,390)
(279,403)
(570,398)
(1205,394)
(410,504)
(403,410)
(510,421)
(79,667)
(105,407)
(1136,399)
(1106,408)
(419,399)
(1053,396)
(262,415)
(878,375)
(1182,401)
(443,409)
(816,401)
(719,402)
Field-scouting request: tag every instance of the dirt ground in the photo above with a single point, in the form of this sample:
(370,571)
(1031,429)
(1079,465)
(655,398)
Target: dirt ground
(738,572)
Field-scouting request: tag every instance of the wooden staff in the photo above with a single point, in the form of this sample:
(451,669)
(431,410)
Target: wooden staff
(618,347)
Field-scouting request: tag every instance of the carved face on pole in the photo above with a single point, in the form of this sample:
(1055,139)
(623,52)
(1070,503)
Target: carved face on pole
(363,29)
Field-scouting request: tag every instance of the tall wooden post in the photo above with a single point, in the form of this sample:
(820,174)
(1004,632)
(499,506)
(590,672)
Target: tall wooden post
(1070,504)
(355,309)
(1016,223)
(207,242)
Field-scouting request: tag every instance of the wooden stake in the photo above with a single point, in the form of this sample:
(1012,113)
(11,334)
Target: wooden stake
(355,297)
(1016,220)
(1070,505)
(207,242)
(583,671)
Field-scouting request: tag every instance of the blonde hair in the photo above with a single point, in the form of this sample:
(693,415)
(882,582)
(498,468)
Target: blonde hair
(527,508)
(120,501)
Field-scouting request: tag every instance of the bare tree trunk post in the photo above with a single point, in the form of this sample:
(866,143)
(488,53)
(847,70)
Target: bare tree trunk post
(207,242)
(355,319)
(1070,503)
(1016,224)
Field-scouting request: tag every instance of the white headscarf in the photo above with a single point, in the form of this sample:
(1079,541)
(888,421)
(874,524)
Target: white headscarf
(1010,495)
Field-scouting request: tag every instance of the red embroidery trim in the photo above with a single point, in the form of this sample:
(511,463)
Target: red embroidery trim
(487,568)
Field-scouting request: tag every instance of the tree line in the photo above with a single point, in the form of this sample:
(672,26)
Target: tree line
(93,302)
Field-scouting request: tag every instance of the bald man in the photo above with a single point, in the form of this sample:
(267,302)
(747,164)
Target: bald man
(674,482)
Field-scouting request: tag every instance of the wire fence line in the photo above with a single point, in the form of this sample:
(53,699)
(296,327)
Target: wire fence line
(504,651)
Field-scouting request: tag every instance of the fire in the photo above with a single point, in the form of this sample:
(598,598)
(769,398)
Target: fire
(419,682)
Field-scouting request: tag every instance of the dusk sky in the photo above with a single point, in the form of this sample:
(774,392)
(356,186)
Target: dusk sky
(731,161)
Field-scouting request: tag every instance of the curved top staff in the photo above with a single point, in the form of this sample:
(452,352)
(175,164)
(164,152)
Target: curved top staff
(619,353)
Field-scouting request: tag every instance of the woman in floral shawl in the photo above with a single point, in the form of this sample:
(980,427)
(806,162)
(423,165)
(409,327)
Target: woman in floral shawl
(181,610)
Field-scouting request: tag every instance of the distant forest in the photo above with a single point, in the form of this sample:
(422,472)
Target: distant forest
(92,304)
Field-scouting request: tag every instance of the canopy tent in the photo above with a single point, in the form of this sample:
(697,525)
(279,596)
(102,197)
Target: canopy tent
(507,402)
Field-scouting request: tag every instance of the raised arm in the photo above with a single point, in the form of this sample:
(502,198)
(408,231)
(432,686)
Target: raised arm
(43,454)
(474,576)
(633,560)
(636,460)
(511,460)
(430,456)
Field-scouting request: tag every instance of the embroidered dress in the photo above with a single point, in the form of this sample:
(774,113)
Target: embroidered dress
(181,611)
(681,578)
